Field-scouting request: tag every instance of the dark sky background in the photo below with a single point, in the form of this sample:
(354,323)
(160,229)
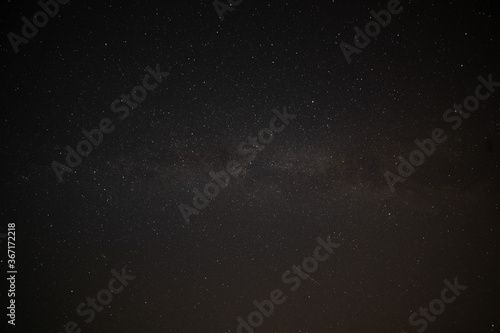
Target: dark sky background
(322,175)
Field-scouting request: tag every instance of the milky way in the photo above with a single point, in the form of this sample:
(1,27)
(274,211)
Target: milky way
(117,212)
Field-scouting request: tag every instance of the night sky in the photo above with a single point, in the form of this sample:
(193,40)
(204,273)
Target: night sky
(311,137)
